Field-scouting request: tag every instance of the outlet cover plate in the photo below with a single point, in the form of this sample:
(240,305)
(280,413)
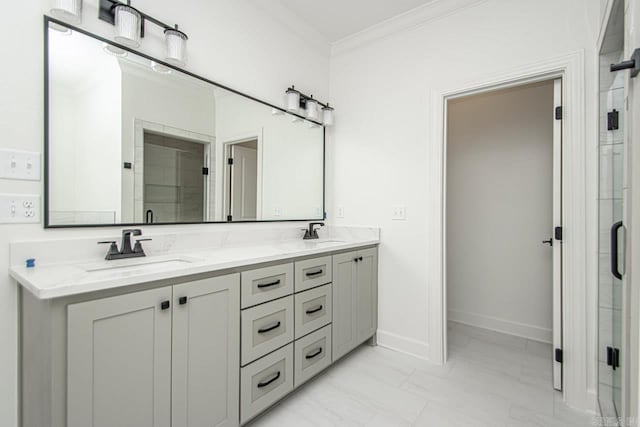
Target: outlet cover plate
(19,209)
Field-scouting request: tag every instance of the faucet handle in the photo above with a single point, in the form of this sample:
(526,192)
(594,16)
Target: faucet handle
(113,248)
(138,246)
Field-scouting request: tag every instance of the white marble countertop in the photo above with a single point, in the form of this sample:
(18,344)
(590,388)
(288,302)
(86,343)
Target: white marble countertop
(60,279)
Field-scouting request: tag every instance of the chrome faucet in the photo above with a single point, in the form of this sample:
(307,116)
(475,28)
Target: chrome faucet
(125,247)
(312,232)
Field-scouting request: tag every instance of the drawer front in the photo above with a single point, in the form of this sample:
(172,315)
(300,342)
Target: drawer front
(313,310)
(264,382)
(313,272)
(312,354)
(266,284)
(265,328)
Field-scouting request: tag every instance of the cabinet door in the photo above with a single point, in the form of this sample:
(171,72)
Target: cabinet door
(366,294)
(344,304)
(206,352)
(119,361)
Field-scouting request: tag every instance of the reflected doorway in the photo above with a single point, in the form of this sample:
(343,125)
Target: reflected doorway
(174,179)
(241,188)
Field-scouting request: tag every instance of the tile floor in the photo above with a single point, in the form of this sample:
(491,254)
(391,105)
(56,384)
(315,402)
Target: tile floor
(491,379)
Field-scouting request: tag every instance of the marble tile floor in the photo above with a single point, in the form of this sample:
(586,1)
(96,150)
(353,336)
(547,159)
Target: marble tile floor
(491,379)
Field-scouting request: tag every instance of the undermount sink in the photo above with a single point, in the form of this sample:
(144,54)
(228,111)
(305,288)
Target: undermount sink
(138,263)
(322,241)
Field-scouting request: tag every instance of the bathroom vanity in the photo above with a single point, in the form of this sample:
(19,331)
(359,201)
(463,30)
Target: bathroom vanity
(212,337)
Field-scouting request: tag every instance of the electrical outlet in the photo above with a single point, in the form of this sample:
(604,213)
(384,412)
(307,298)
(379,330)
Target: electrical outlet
(399,213)
(21,165)
(277,212)
(340,213)
(19,208)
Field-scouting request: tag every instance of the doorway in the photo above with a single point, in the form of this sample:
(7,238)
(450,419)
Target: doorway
(241,181)
(503,224)
(174,188)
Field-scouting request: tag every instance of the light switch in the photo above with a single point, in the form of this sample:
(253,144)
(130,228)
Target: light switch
(22,165)
(19,209)
(399,213)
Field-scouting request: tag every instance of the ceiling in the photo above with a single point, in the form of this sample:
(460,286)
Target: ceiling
(337,19)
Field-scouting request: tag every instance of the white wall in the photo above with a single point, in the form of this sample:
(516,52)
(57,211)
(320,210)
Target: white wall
(230,42)
(499,209)
(383,93)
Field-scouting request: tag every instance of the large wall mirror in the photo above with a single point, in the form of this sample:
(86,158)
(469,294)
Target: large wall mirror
(131,140)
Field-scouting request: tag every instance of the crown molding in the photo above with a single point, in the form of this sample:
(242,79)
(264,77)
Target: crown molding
(421,15)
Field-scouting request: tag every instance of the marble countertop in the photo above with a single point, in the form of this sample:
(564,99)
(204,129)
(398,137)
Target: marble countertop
(60,279)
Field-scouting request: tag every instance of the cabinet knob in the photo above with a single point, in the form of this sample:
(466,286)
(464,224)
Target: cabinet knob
(355,260)
(164,305)
(360,259)
(182,300)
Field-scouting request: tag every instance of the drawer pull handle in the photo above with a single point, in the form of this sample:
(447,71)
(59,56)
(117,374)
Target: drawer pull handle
(314,273)
(317,353)
(266,383)
(164,305)
(315,309)
(269,328)
(268,285)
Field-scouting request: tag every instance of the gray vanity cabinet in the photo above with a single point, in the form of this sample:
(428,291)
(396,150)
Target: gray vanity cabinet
(355,299)
(119,361)
(163,357)
(205,352)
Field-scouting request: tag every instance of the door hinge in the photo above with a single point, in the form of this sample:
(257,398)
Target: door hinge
(230,161)
(229,218)
(559,113)
(613,357)
(205,171)
(613,120)
(558,234)
(558,355)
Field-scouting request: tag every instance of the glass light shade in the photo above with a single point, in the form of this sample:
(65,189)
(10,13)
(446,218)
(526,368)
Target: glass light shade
(114,50)
(127,26)
(312,109)
(176,44)
(293,100)
(69,10)
(327,116)
(159,68)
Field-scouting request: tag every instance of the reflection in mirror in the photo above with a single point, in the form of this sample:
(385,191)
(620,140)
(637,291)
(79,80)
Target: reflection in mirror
(132,141)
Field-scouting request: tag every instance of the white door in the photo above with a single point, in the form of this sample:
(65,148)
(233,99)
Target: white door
(244,183)
(206,353)
(557,235)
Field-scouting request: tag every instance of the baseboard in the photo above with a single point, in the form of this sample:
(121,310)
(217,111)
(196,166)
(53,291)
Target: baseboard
(403,344)
(500,325)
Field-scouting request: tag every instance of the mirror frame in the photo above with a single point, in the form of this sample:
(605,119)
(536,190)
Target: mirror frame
(45,214)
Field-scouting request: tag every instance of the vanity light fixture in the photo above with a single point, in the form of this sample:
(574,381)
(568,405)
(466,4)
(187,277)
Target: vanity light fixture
(114,50)
(159,68)
(293,99)
(68,10)
(176,45)
(327,115)
(130,24)
(298,101)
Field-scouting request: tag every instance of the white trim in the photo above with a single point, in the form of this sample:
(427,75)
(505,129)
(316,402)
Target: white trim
(509,327)
(413,18)
(402,344)
(571,68)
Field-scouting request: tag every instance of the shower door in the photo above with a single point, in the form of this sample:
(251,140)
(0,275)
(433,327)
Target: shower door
(611,203)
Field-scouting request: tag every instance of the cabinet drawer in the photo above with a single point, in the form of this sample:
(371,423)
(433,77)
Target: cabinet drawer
(266,284)
(266,328)
(312,310)
(265,381)
(312,272)
(312,354)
